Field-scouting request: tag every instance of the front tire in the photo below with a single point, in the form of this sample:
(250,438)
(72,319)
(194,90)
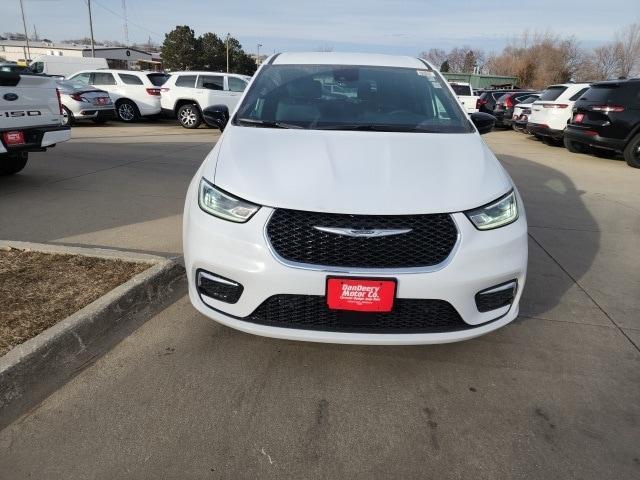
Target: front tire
(127,111)
(632,152)
(11,163)
(189,116)
(575,147)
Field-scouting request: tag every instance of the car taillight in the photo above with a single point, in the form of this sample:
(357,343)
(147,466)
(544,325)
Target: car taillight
(607,108)
(59,101)
(555,105)
(164,89)
(480,102)
(153,91)
(77,97)
(508,103)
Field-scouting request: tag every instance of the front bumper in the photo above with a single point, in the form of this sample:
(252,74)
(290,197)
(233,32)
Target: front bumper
(241,253)
(37,139)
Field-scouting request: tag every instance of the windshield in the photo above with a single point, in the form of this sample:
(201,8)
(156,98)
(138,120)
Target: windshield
(345,97)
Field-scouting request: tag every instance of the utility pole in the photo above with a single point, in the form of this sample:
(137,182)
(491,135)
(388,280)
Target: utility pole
(26,34)
(126,26)
(228,35)
(258,57)
(93,48)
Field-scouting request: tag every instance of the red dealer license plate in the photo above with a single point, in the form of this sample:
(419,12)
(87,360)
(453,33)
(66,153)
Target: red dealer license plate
(361,295)
(13,138)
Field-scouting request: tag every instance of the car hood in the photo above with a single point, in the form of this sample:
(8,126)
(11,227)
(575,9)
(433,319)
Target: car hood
(356,172)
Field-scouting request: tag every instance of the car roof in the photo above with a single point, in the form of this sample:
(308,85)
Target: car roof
(113,70)
(340,58)
(202,72)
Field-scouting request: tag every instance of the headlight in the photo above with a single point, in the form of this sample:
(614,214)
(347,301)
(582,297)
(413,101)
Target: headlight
(222,205)
(497,214)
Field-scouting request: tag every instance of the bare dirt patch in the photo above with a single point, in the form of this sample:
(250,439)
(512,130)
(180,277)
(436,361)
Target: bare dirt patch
(37,289)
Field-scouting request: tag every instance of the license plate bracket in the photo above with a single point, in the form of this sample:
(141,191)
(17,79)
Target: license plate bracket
(360,294)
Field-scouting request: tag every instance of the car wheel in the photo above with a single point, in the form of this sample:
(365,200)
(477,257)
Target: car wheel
(575,147)
(11,163)
(67,117)
(632,152)
(189,116)
(127,111)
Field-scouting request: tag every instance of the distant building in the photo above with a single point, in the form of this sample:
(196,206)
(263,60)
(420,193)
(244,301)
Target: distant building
(482,81)
(117,57)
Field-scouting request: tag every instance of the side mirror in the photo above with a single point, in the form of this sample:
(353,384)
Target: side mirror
(483,122)
(216,116)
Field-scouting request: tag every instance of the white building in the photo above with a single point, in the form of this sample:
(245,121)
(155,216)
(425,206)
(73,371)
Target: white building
(117,57)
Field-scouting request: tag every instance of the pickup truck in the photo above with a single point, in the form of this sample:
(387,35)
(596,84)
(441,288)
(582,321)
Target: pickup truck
(464,92)
(30,118)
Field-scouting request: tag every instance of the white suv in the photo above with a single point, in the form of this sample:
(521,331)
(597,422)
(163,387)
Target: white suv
(551,113)
(134,94)
(377,215)
(186,94)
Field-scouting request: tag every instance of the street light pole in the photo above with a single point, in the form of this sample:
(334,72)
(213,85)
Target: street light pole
(26,34)
(228,35)
(93,48)
(258,57)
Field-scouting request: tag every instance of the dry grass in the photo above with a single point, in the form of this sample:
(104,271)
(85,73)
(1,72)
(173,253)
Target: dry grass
(37,290)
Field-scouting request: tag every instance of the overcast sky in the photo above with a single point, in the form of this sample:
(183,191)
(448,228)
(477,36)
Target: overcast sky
(389,26)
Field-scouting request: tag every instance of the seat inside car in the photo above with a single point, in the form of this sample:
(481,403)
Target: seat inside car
(301,103)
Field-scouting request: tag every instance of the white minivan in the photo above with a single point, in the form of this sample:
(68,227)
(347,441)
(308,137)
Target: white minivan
(186,94)
(135,94)
(376,216)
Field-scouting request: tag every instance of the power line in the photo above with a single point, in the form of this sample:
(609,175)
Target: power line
(123,18)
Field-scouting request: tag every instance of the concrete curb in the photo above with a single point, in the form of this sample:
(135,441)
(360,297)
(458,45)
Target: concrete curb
(32,371)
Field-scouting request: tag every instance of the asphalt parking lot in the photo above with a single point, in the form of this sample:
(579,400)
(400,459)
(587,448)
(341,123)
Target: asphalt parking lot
(556,394)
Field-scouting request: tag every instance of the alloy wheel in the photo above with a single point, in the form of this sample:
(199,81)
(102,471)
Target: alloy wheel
(188,117)
(126,112)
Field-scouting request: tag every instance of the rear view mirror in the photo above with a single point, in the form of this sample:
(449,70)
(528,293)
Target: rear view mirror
(483,122)
(216,116)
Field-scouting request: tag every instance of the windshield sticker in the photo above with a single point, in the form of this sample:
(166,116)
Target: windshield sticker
(426,73)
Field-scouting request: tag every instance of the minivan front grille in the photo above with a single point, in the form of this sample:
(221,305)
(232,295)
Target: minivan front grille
(426,240)
(310,312)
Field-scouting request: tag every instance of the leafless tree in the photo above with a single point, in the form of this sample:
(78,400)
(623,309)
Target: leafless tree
(627,42)
(435,56)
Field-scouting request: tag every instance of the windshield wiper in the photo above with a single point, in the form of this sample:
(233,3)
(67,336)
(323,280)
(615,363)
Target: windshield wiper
(376,127)
(266,123)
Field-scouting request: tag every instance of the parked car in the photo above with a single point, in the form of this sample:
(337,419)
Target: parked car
(82,102)
(521,112)
(552,111)
(186,94)
(61,66)
(503,110)
(31,116)
(607,118)
(487,101)
(134,94)
(11,67)
(464,92)
(332,220)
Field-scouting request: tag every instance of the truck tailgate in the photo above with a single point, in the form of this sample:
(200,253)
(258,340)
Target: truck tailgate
(28,101)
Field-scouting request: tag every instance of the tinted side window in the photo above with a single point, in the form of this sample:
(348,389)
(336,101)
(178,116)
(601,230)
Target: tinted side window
(578,94)
(551,93)
(211,82)
(186,81)
(236,85)
(461,89)
(103,78)
(129,79)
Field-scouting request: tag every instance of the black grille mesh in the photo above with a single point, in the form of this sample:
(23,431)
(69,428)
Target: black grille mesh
(310,312)
(430,241)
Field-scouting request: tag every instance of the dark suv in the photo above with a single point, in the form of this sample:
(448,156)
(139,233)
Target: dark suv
(607,118)
(503,111)
(487,101)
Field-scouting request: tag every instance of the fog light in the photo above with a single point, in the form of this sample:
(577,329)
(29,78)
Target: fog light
(497,296)
(218,288)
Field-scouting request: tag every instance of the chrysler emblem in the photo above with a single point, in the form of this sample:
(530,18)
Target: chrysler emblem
(364,233)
